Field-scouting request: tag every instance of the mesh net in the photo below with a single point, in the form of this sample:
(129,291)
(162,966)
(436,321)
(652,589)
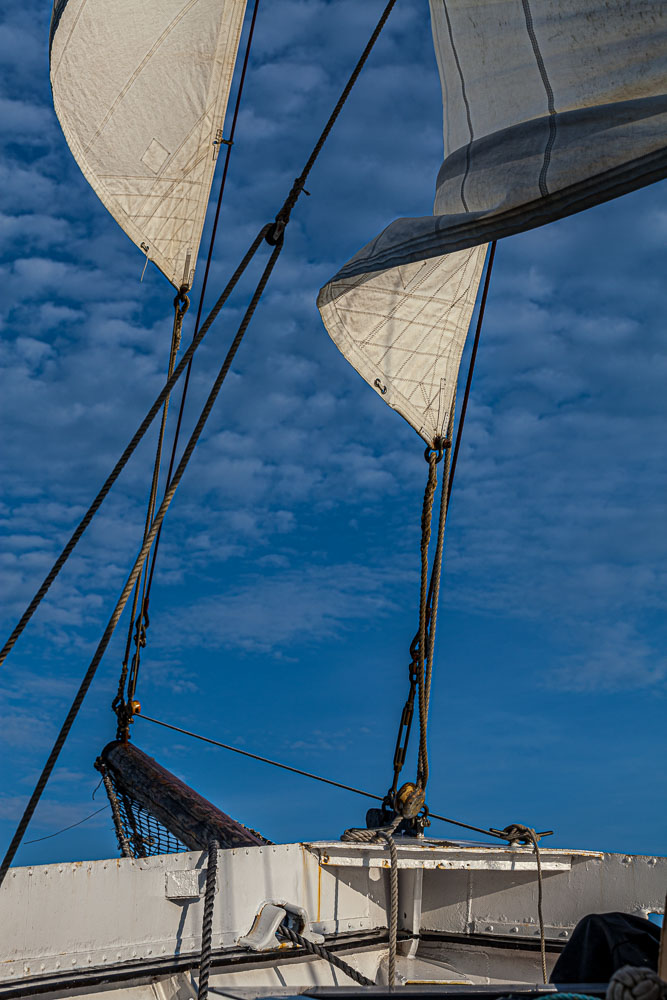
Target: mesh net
(147,836)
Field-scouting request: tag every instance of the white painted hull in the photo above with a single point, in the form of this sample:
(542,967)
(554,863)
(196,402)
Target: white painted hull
(467,915)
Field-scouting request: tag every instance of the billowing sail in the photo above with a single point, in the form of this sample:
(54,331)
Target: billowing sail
(550,107)
(141,90)
(404,329)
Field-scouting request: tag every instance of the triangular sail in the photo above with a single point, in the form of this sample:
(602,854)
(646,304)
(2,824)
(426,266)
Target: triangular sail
(550,107)
(141,90)
(404,330)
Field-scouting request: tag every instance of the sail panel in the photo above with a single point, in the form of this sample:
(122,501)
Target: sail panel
(548,101)
(404,329)
(141,92)
(550,107)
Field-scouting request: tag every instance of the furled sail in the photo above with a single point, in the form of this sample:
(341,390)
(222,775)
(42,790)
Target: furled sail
(141,90)
(550,107)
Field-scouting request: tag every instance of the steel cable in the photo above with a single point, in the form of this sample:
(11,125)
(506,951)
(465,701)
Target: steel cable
(497,834)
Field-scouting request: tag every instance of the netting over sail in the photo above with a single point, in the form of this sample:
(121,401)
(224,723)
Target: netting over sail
(550,107)
(141,90)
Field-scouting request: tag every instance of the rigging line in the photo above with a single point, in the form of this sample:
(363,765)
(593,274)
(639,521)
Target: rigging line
(141,558)
(471,368)
(129,450)
(428,612)
(284,214)
(141,623)
(309,774)
(271,231)
(209,257)
(432,458)
(405,724)
(85,819)
(274,235)
(436,569)
(466,393)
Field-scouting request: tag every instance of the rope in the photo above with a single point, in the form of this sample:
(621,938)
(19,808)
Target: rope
(636,983)
(516,832)
(283,215)
(129,451)
(436,570)
(497,834)
(274,232)
(123,842)
(134,574)
(181,305)
(405,724)
(79,822)
(393,904)
(322,952)
(207,923)
(186,382)
(363,836)
(558,996)
(432,457)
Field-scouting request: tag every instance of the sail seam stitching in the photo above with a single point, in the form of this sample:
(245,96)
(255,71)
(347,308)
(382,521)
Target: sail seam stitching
(465,101)
(530,27)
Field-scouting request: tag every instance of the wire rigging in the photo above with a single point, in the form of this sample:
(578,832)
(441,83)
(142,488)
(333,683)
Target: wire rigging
(273,233)
(139,625)
(497,834)
(85,819)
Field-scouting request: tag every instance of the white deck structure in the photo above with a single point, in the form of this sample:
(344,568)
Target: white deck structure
(467,915)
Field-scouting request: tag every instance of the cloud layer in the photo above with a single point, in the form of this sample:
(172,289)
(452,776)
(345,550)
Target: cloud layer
(287,587)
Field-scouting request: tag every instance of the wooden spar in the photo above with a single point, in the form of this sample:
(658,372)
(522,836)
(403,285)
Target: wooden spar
(189,816)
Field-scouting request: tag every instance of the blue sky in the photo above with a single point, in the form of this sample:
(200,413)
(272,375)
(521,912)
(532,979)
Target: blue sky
(287,584)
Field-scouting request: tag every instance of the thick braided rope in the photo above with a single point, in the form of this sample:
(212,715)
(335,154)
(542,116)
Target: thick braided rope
(427,515)
(328,956)
(207,922)
(136,569)
(393,905)
(516,832)
(129,451)
(123,842)
(360,835)
(436,571)
(636,983)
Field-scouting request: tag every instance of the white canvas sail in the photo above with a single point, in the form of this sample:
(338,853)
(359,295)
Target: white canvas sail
(550,107)
(141,90)
(404,330)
